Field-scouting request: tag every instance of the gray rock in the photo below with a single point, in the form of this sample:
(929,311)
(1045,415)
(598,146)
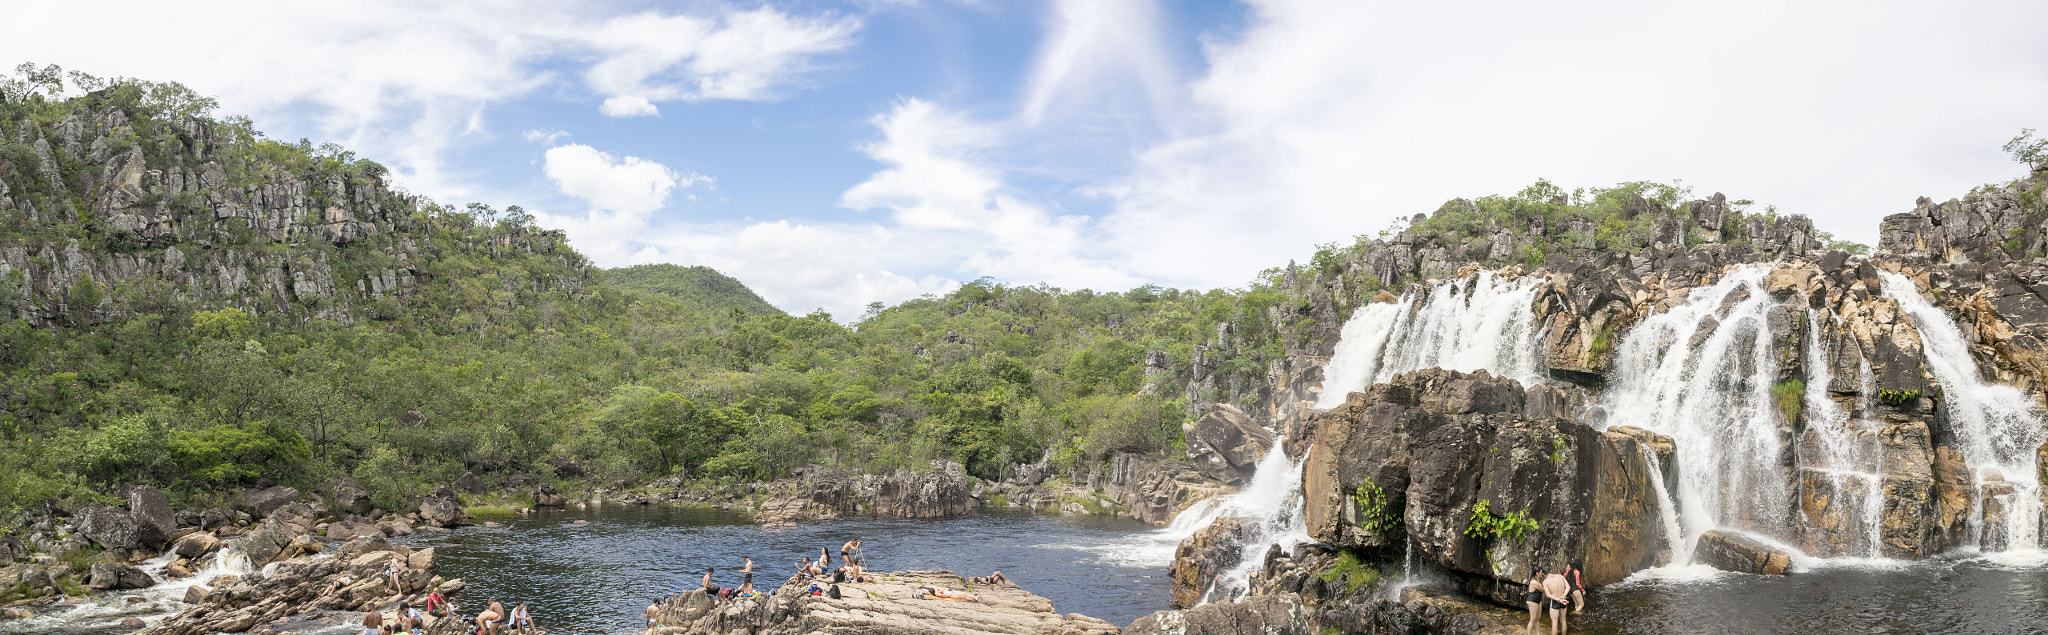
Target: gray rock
(153,516)
(565,467)
(470,483)
(348,497)
(1734,552)
(264,501)
(108,575)
(546,496)
(1226,445)
(1262,615)
(443,511)
(111,527)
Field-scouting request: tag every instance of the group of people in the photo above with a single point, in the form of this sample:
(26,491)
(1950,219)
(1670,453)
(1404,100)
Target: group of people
(408,620)
(1556,592)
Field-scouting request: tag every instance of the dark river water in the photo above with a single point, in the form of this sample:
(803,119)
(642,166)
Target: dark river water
(597,577)
(1950,595)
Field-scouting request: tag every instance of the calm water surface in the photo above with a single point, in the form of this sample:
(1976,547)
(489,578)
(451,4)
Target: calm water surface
(1938,596)
(597,577)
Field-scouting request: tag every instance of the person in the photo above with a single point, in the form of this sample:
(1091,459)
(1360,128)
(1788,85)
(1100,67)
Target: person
(1533,598)
(1574,576)
(946,594)
(992,579)
(747,575)
(653,609)
(824,559)
(438,606)
(1557,594)
(409,618)
(803,566)
(373,622)
(709,588)
(391,575)
(520,617)
(339,584)
(487,621)
(850,550)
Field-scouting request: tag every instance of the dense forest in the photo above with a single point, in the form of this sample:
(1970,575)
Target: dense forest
(191,305)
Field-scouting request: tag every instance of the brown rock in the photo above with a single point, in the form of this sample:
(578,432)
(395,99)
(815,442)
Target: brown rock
(1264,614)
(17,613)
(1226,445)
(132,622)
(1203,555)
(195,594)
(1734,552)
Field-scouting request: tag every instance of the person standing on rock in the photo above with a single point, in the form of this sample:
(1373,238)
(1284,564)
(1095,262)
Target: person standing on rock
(373,621)
(747,575)
(1557,594)
(653,609)
(1533,598)
(850,551)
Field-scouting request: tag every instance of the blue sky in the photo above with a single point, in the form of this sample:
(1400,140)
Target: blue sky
(832,154)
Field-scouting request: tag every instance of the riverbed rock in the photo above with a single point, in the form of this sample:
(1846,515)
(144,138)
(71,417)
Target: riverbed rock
(442,510)
(469,482)
(890,604)
(13,613)
(566,467)
(545,495)
(1208,552)
(1147,488)
(155,522)
(196,544)
(1262,615)
(1729,551)
(112,527)
(108,575)
(943,491)
(348,497)
(132,622)
(262,502)
(351,528)
(1226,445)
(195,594)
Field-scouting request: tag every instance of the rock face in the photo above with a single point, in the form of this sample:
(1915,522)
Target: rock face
(822,492)
(1418,458)
(155,522)
(1205,554)
(1226,445)
(1263,615)
(546,496)
(114,528)
(352,528)
(1735,552)
(889,605)
(348,497)
(294,587)
(442,510)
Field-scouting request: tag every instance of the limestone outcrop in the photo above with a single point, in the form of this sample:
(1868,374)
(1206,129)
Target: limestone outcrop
(1207,553)
(1226,445)
(302,585)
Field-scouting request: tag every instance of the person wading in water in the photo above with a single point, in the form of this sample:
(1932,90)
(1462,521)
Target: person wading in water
(1533,598)
(1557,595)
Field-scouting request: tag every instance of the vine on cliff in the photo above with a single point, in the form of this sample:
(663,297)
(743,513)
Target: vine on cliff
(1486,525)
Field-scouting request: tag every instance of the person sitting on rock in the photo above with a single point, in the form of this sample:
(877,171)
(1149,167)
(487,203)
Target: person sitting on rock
(709,588)
(409,618)
(520,618)
(439,606)
(824,559)
(803,566)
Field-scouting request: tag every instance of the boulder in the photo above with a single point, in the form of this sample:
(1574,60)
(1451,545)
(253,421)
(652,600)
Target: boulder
(565,467)
(216,518)
(1226,445)
(352,528)
(132,622)
(12,548)
(112,527)
(1264,614)
(17,613)
(422,559)
(442,510)
(348,497)
(469,482)
(947,490)
(891,604)
(195,594)
(545,496)
(108,575)
(264,501)
(1729,551)
(1208,552)
(153,516)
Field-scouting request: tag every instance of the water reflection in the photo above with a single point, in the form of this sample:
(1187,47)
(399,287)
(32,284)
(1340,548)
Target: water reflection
(595,577)
(1939,596)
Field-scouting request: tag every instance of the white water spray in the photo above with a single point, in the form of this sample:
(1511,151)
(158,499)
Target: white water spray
(1481,321)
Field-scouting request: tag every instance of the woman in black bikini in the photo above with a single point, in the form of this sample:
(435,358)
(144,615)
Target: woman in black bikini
(1533,598)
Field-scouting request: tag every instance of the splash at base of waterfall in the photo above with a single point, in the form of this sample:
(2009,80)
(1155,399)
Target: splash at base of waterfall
(1272,500)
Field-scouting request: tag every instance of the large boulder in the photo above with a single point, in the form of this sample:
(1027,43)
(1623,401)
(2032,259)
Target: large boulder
(947,490)
(262,502)
(469,482)
(153,516)
(196,544)
(1264,615)
(346,496)
(1729,551)
(352,528)
(1226,445)
(442,510)
(565,467)
(108,575)
(111,527)
(545,496)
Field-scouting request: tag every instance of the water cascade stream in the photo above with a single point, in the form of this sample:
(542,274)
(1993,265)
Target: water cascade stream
(1480,321)
(1997,426)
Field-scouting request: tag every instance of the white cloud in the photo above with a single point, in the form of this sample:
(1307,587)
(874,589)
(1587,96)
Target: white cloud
(405,82)
(1095,51)
(623,184)
(544,136)
(629,106)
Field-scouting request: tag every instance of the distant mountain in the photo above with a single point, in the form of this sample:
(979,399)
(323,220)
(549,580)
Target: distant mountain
(700,287)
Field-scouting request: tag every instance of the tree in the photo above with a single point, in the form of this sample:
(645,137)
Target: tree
(2026,149)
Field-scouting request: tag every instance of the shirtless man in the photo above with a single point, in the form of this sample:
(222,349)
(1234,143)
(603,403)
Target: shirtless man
(487,621)
(849,551)
(747,575)
(653,609)
(709,588)
(373,621)
(1557,596)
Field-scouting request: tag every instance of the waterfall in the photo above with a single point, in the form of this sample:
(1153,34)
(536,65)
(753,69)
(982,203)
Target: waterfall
(1997,426)
(1273,502)
(1703,373)
(1475,322)
(1667,513)
(1844,452)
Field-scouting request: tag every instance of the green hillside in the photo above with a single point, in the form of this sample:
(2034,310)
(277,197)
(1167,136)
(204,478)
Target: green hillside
(698,287)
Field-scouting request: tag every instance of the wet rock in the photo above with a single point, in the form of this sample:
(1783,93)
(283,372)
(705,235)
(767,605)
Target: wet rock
(348,497)
(1729,551)
(1150,489)
(545,495)
(17,613)
(1205,554)
(891,604)
(1263,615)
(196,544)
(195,594)
(107,575)
(1226,445)
(132,622)
(1912,524)
(216,518)
(264,501)
(1832,507)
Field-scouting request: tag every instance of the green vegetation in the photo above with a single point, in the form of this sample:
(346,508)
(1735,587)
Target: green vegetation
(1789,396)
(1897,397)
(700,288)
(1352,570)
(1486,525)
(1374,514)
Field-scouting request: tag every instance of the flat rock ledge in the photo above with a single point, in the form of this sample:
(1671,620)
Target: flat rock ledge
(890,605)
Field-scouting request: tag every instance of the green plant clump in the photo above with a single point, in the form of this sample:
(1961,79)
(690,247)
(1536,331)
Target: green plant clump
(1374,516)
(1790,397)
(1352,570)
(1897,397)
(1485,525)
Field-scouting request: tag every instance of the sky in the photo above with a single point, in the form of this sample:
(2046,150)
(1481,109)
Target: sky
(832,154)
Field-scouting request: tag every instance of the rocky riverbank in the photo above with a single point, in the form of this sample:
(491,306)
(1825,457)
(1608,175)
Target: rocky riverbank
(892,603)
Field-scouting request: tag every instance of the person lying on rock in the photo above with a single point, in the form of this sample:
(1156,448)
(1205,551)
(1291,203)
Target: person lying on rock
(339,584)
(992,579)
(946,594)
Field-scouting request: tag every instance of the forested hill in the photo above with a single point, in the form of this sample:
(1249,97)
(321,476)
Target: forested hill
(191,305)
(699,287)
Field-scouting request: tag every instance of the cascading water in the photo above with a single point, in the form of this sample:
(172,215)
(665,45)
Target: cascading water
(1702,373)
(1481,321)
(1997,426)
(1272,500)
(1843,456)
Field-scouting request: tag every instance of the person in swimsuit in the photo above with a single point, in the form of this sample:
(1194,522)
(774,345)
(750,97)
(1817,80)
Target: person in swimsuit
(824,559)
(747,575)
(709,588)
(391,576)
(1557,595)
(850,550)
(946,594)
(372,621)
(1533,598)
(1573,575)
(520,617)
(339,584)
(653,609)
(487,621)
